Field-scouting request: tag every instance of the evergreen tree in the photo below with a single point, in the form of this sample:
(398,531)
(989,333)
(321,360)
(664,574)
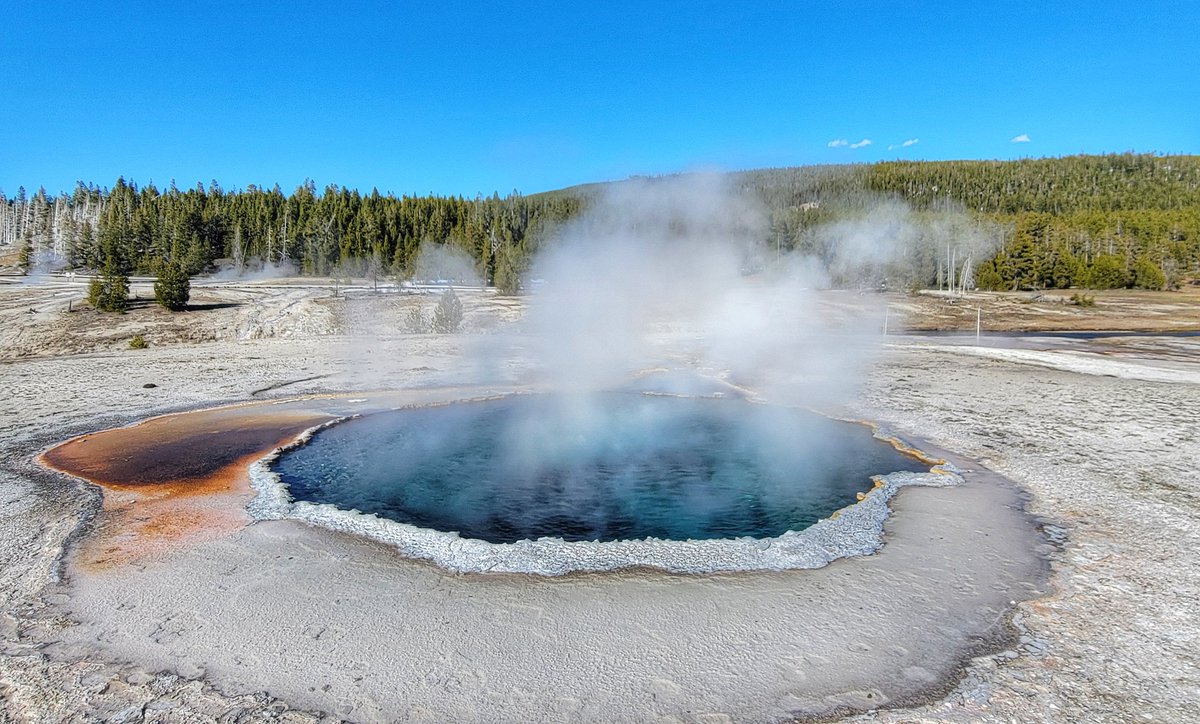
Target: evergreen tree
(25,255)
(1147,275)
(173,288)
(109,292)
(1107,272)
(508,271)
(1063,268)
(988,278)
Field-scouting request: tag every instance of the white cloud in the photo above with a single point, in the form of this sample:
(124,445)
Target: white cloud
(860,144)
(838,143)
(1023,138)
(911,142)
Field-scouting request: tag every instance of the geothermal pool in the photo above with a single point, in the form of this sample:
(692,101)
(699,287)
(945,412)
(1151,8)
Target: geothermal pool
(601,467)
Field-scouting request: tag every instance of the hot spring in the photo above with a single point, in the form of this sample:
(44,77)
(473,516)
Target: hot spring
(601,467)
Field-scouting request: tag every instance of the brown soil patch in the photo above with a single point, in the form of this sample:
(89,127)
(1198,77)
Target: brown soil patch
(1051,311)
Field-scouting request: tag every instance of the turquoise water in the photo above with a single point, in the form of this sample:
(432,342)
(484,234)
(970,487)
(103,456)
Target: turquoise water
(606,467)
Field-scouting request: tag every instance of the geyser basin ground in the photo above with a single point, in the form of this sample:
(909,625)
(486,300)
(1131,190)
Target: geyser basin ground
(602,467)
(268,591)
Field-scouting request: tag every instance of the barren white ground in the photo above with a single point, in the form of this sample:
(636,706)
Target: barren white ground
(1112,459)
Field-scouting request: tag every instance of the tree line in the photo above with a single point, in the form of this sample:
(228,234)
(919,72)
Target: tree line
(336,231)
(1098,221)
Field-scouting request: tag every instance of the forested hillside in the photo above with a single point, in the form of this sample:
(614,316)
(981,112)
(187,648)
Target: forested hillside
(1099,221)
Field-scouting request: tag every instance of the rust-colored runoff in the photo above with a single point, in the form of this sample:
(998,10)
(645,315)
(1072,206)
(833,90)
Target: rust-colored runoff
(175,480)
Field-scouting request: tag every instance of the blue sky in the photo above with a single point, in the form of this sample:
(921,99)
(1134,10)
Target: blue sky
(463,98)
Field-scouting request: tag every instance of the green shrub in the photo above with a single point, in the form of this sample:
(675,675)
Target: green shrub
(1082,300)
(415,322)
(138,342)
(448,314)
